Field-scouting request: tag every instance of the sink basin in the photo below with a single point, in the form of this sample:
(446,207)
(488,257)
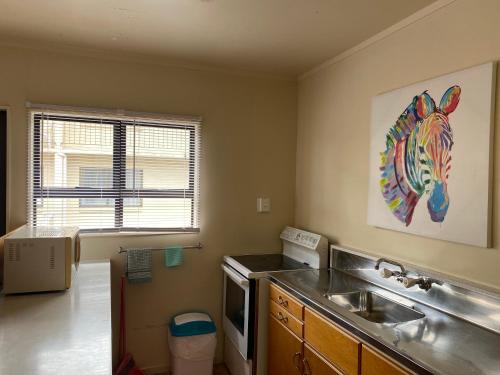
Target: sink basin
(373,307)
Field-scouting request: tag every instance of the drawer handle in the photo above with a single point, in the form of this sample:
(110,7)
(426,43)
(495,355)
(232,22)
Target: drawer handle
(282,318)
(296,360)
(282,302)
(307,368)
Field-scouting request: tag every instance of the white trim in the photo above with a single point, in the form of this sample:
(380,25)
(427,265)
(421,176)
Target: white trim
(415,17)
(8,168)
(113,113)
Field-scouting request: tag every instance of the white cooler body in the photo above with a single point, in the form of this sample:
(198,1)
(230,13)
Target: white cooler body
(192,355)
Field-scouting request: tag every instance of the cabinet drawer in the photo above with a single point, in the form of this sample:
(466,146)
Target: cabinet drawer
(285,300)
(332,342)
(286,318)
(315,364)
(374,363)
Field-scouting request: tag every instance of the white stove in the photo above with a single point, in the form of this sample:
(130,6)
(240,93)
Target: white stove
(259,266)
(246,296)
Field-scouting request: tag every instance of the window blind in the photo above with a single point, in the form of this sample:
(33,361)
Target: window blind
(105,171)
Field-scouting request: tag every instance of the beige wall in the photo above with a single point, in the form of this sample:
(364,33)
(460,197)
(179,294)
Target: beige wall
(334,108)
(249,138)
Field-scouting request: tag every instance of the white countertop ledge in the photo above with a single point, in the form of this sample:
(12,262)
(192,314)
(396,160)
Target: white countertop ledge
(60,332)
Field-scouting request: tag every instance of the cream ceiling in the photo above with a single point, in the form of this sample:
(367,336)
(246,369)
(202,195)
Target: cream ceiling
(274,36)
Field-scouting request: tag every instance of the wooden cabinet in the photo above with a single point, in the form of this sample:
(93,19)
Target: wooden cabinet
(287,319)
(339,347)
(304,342)
(315,364)
(284,350)
(375,363)
(286,301)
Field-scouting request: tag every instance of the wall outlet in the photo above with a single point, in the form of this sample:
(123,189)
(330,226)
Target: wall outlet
(263,205)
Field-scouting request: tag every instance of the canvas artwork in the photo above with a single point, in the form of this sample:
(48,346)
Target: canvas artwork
(430,157)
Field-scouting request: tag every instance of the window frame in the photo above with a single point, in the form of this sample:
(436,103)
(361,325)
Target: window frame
(118,192)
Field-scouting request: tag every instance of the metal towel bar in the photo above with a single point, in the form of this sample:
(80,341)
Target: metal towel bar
(124,250)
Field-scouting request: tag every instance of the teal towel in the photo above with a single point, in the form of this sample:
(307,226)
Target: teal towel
(174,255)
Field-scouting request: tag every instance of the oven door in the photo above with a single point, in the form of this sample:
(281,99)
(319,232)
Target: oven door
(237,318)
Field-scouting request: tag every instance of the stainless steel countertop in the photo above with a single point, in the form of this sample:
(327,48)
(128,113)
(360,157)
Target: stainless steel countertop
(60,332)
(438,343)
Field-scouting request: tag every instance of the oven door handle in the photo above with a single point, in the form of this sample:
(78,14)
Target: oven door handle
(240,280)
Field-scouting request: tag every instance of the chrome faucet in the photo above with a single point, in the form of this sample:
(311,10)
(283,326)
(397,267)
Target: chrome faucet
(422,282)
(385,260)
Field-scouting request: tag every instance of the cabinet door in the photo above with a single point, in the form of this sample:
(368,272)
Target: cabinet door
(284,354)
(374,363)
(314,364)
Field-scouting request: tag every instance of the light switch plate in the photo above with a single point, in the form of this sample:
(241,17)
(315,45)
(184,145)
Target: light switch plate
(263,205)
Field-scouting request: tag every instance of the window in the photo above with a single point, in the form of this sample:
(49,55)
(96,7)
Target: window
(103,178)
(113,172)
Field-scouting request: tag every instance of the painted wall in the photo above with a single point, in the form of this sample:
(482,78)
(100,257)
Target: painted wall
(334,112)
(249,143)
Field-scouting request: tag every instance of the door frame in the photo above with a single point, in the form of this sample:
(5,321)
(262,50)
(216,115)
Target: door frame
(4,180)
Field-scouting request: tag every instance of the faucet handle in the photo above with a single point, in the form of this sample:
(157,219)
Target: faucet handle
(408,282)
(386,273)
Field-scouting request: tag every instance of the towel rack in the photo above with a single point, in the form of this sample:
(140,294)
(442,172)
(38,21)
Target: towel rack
(124,250)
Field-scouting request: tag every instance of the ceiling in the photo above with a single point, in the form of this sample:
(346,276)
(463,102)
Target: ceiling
(287,37)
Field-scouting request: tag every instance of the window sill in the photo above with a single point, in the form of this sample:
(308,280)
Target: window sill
(135,234)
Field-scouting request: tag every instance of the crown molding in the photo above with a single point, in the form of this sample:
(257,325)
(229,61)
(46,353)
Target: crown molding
(138,58)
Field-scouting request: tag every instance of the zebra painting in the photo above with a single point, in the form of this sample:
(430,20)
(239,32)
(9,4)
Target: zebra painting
(417,158)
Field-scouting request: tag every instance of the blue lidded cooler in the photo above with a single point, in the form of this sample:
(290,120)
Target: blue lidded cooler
(192,340)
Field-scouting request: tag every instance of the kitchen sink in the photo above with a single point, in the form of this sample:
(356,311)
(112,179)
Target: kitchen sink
(373,307)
